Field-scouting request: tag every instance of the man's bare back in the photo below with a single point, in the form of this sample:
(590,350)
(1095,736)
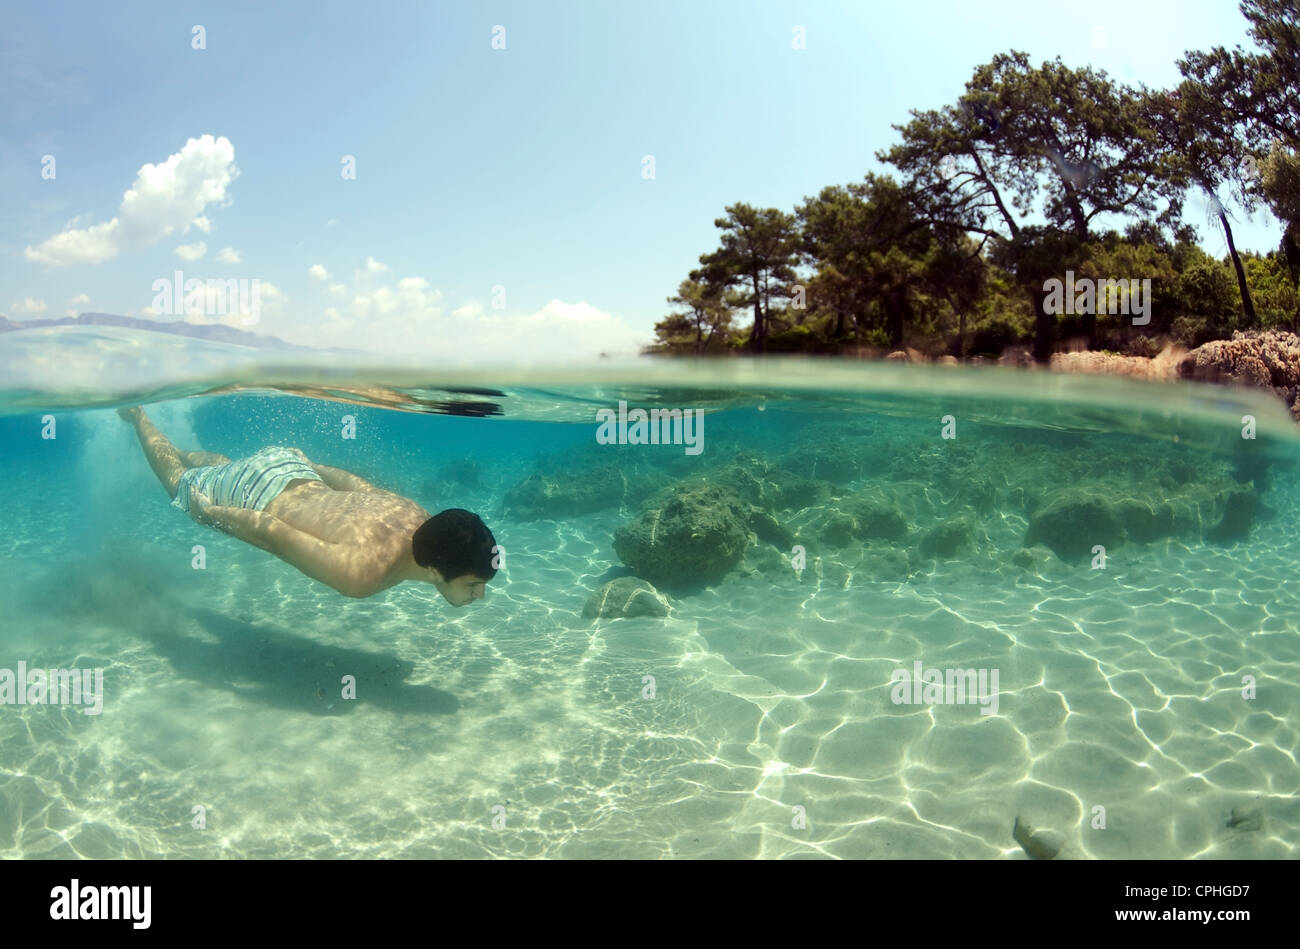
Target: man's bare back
(375,526)
(341,529)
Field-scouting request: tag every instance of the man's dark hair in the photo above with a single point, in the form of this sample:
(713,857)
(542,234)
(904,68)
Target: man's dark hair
(455,542)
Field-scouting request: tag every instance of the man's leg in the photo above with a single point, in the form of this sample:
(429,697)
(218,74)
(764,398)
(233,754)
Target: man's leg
(163,457)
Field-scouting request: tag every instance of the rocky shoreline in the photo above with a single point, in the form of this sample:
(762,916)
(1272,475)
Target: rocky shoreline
(1262,359)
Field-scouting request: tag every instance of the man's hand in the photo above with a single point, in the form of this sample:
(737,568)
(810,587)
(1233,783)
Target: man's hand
(200,508)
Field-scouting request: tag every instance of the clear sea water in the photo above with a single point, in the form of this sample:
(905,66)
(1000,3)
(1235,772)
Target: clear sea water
(1145,708)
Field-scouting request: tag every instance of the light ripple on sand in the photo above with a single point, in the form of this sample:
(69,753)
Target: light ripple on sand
(1120,689)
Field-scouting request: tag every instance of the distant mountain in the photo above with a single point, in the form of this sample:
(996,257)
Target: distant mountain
(215,332)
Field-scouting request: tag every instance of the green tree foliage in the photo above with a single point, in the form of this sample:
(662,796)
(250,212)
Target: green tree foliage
(947,259)
(1276,294)
(1194,137)
(757,256)
(1069,143)
(704,325)
(1254,97)
(1279,176)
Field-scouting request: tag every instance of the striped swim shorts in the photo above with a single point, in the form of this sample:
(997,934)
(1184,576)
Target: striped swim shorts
(252,482)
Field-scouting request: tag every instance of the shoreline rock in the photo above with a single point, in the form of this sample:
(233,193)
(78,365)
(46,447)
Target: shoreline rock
(1266,360)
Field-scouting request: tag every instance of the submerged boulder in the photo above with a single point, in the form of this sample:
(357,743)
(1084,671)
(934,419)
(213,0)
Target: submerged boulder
(880,562)
(757,482)
(950,538)
(584,491)
(1073,520)
(626,596)
(1032,559)
(697,534)
(462,472)
(789,491)
(838,467)
(866,517)
(1240,509)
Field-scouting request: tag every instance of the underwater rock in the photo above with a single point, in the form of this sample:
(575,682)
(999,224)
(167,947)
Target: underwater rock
(789,491)
(755,481)
(1071,521)
(837,467)
(1038,844)
(979,493)
(626,596)
(1239,513)
(956,470)
(768,528)
(1031,558)
(743,477)
(768,561)
(581,491)
(886,563)
(864,518)
(950,538)
(696,536)
(1143,522)
(461,471)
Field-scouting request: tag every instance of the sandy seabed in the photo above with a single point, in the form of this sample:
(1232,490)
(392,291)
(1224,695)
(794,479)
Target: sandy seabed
(516,728)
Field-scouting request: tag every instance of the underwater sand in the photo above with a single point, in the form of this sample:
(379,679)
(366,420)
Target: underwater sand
(1120,688)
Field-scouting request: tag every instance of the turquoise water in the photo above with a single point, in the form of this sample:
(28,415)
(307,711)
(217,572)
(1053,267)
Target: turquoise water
(758,717)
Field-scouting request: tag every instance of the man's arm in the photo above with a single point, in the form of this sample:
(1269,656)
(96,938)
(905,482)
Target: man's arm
(331,564)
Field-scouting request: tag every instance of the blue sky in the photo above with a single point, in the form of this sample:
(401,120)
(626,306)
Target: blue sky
(478,168)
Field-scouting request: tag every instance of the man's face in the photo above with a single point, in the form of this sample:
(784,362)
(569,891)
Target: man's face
(463,590)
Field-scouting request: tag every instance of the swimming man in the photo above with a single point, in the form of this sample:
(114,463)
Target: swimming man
(330,524)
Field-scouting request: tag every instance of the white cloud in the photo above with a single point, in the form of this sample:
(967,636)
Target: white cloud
(191,252)
(374,266)
(164,199)
(80,298)
(318,272)
(406,321)
(215,303)
(28,306)
(338,289)
(228,255)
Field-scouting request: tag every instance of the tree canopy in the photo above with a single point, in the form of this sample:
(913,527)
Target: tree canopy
(1033,172)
